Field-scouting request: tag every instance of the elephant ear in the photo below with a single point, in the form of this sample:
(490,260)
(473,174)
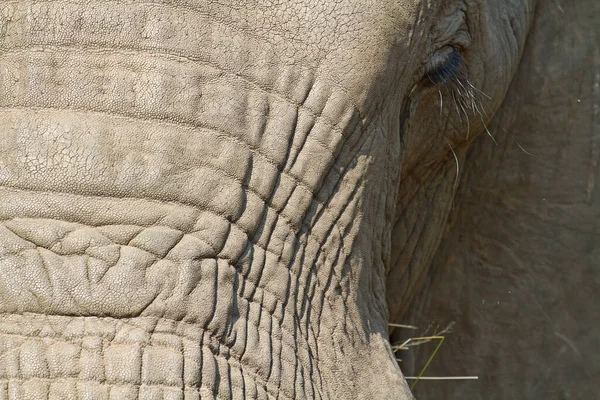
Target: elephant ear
(518,269)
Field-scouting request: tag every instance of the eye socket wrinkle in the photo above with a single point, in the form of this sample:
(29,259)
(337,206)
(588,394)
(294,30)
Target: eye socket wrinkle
(449,71)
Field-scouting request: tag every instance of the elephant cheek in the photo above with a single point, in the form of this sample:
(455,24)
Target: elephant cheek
(173,226)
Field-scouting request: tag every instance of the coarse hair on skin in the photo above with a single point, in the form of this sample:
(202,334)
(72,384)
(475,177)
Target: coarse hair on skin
(450,77)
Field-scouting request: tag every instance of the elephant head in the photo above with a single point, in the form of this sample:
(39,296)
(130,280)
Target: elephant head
(229,199)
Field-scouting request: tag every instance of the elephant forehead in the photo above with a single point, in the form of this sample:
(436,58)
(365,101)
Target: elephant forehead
(322,24)
(349,40)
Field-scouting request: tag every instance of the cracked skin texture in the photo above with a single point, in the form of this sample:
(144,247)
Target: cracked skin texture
(225,199)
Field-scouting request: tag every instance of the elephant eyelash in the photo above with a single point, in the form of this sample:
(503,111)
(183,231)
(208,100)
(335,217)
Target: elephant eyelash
(448,72)
(450,77)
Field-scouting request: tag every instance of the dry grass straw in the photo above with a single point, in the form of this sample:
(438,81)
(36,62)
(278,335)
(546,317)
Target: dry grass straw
(417,341)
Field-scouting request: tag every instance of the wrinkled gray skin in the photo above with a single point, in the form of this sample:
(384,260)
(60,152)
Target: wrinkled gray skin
(233,198)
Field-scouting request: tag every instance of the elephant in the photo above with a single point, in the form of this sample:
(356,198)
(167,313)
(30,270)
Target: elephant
(237,198)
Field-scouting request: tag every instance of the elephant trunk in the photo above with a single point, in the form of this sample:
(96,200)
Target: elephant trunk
(174,224)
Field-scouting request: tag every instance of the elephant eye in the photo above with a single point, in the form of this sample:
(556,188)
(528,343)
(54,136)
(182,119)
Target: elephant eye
(449,71)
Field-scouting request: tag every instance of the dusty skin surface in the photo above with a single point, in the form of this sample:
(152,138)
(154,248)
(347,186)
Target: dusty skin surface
(231,199)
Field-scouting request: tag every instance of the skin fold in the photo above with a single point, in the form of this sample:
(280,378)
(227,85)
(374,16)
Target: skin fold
(225,199)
